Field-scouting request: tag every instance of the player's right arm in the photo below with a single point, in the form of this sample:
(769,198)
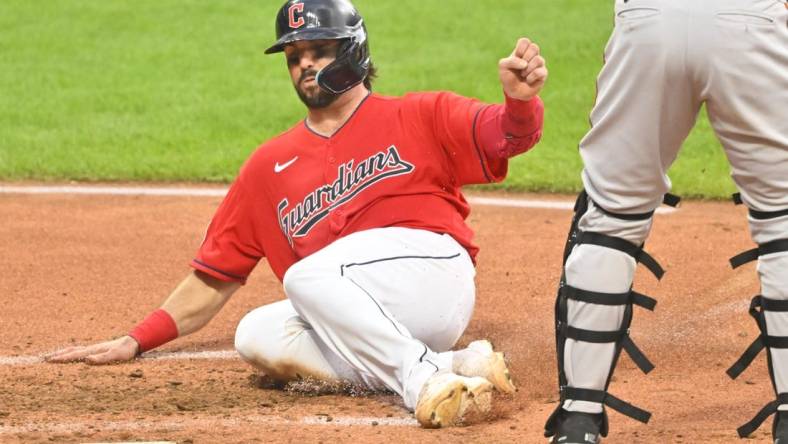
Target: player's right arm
(196,300)
(229,252)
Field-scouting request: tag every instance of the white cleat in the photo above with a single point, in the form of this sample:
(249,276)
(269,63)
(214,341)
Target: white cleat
(479,359)
(447,398)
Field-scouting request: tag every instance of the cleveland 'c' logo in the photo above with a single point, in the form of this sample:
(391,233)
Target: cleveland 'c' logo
(296,7)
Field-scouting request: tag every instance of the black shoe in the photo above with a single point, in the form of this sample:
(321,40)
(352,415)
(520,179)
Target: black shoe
(780,429)
(578,428)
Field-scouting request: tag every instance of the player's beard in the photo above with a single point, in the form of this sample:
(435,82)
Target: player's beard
(313,97)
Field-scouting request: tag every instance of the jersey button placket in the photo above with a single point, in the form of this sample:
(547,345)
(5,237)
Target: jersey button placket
(329,162)
(335,219)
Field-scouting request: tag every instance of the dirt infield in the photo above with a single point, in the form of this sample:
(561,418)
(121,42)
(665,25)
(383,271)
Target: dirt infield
(76,269)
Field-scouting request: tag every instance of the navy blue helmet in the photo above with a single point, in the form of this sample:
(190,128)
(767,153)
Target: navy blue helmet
(327,20)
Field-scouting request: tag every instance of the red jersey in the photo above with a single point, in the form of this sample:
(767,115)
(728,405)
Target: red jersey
(397,162)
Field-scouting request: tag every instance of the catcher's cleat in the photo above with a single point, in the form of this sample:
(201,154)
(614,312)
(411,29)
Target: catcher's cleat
(479,359)
(447,398)
(577,428)
(780,429)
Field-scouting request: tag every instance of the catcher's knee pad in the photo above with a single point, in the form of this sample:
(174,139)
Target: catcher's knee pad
(769,309)
(616,306)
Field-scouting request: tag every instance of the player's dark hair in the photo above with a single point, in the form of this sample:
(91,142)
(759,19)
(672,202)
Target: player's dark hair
(372,74)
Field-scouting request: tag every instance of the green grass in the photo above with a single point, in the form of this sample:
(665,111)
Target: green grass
(180,90)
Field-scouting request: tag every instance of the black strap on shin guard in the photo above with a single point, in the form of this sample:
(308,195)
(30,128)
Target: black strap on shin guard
(767,411)
(671,200)
(636,251)
(607,399)
(616,243)
(757,214)
(774,246)
(668,199)
(619,337)
(758,306)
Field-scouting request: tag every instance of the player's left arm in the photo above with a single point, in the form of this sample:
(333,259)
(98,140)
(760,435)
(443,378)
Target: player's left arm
(479,138)
(504,131)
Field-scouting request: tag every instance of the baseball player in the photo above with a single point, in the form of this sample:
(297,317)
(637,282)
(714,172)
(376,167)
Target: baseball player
(358,210)
(663,61)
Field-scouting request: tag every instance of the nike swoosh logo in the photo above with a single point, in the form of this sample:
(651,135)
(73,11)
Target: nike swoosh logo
(279,168)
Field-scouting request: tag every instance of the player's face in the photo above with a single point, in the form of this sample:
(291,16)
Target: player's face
(304,59)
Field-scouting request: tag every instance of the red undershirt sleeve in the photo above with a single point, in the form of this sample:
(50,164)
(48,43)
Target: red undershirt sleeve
(506,130)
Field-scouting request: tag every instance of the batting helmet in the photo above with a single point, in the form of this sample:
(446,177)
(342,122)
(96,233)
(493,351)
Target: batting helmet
(327,20)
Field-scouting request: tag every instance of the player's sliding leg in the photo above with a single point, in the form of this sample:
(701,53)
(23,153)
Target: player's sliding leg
(645,108)
(747,108)
(384,300)
(275,340)
(388,303)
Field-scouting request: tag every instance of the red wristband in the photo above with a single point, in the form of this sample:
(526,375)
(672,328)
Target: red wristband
(156,329)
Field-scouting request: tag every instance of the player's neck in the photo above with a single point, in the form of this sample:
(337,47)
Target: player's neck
(326,121)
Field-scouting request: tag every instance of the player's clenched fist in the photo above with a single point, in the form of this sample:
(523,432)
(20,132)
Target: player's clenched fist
(524,72)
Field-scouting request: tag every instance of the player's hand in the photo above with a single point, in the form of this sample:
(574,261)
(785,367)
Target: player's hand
(524,72)
(116,350)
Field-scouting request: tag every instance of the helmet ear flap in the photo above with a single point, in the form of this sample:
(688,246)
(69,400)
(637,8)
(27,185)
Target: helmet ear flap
(348,70)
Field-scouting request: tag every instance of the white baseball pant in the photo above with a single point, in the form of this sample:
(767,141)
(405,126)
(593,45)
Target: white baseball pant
(380,308)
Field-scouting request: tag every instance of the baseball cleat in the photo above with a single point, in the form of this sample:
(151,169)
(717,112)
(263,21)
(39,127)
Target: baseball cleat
(577,428)
(447,398)
(479,359)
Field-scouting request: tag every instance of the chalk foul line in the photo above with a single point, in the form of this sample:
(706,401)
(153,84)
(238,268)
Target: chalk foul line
(188,423)
(153,356)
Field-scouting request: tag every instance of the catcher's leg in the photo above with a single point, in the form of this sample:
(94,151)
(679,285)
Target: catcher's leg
(645,108)
(769,229)
(594,310)
(747,105)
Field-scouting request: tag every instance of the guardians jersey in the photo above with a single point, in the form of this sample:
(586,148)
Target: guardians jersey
(397,162)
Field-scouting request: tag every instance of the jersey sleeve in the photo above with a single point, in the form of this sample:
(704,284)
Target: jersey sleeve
(231,248)
(453,120)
